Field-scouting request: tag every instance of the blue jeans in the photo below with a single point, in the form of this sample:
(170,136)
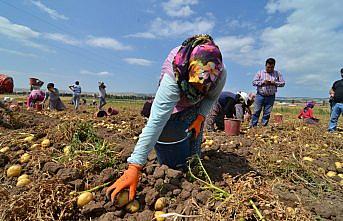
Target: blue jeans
(262,102)
(337,110)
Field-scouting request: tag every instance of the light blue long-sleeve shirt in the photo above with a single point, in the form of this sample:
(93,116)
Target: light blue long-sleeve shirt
(167,96)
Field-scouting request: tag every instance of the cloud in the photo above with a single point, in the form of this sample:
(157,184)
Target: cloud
(101,73)
(62,38)
(20,33)
(238,49)
(146,35)
(172,28)
(306,46)
(16,31)
(179,8)
(24,54)
(138,61)
(239,24)
(109,43)
(314,80)
(52,13)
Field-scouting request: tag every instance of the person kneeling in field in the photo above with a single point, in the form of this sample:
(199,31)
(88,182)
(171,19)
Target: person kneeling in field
(35,96)
(229,105)
(307,114)
(55,100)
(192,78)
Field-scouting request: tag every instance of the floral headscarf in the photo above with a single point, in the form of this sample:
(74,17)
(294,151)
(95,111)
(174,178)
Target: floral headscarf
(197,66)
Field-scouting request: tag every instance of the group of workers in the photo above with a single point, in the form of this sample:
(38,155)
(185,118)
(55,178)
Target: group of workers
(192,78)
(190,92)
(37,96)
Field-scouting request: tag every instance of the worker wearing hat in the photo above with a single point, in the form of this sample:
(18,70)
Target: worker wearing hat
(229,105)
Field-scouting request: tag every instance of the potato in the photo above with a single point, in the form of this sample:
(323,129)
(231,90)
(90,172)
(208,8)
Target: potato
(331,174)
(122,199)
(84,199)
(66,150)
(45,143)
(23,182)
(210,142)
(133,206)
(4,150)
(34,146)
(29,138)
(158,214)
(14,170)
(25,158)
(338,165)
(160,203)
(307,159)
(340,175)
(24,176)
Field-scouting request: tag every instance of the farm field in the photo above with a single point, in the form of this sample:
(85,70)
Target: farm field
(286,171)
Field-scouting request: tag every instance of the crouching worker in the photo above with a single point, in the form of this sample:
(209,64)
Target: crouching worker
(229,105)
(192,78)
(307,114)
(36,96)
(55,100)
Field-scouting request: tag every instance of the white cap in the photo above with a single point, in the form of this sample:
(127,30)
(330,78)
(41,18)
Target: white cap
(244,96)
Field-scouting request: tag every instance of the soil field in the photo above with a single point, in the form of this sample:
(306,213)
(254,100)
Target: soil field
(286,171)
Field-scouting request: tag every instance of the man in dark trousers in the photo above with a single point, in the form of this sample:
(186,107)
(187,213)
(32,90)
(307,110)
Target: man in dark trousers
(337,108)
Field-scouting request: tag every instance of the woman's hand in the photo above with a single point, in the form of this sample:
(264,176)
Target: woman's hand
(128,180)
(196,125)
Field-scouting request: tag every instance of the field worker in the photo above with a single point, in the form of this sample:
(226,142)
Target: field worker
(102,95)
(36,96)
(229,105)
(192,79)
(337,108)
(307,114)
(52,94)
(267,81)
(76,89)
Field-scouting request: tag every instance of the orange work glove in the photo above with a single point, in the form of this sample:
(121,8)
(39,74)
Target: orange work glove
(128,180)
(196,125)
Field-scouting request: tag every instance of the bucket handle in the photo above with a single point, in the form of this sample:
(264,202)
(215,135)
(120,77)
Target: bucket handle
(189,134)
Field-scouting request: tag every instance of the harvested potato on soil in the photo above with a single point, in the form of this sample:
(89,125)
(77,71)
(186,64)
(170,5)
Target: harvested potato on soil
(84,199)
(122,199)
(4,149)
(331,174)
(308,159)
(29,138)
(25,158)
(133,206)
(45,143)
(338,165)
(23,182)
(158,216)
(34,146)
(14,171)
(160,203)
(24,176)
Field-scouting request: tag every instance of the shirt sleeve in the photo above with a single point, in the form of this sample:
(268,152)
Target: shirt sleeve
(280,82)
(208,101)
(257,80)
(167,96)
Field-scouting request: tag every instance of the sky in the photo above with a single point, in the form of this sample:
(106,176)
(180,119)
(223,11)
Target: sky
(124,43)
